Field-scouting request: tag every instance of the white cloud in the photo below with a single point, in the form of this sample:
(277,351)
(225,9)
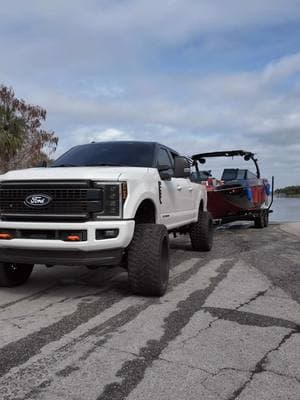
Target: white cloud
(57,35)
(232,104)
(110,134)
(88,134)
(169,21)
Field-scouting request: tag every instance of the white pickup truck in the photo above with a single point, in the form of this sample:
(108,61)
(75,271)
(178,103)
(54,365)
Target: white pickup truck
(99,204)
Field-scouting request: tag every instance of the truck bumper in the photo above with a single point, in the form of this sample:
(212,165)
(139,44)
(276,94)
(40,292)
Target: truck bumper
(91,251)
(64,257)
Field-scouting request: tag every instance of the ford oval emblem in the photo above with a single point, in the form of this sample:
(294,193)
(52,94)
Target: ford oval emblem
(37,200)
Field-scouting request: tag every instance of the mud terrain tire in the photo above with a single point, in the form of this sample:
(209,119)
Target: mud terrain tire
(201,232)
(12,274)
(148,260)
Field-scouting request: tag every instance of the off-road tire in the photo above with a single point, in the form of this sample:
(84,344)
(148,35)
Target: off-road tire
(148,260)
(201,232)
(12,274)
(259,221)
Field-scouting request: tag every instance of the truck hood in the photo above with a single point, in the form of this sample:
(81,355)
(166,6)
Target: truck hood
(74,173)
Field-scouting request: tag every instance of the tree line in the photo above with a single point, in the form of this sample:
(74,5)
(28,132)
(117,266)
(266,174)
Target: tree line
(23,142)
(289,191)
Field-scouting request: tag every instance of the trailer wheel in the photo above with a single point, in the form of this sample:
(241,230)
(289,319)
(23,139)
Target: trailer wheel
(12,274)
(266,218)
(201,232)
(259,221)
(148,260)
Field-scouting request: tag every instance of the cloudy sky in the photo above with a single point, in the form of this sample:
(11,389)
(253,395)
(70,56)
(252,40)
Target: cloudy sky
(197,75)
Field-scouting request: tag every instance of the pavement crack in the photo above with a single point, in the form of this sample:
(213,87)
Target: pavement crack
(132,372)
(257,295)
(283,375)
(242,318)
(187,365)
(199,332)
(214,374)
(260,366)
(137,355)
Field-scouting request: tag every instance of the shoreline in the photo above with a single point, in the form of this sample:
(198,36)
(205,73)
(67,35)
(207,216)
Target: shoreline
(287,196)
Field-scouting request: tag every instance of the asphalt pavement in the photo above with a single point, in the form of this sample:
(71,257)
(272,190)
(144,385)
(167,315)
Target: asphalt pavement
(228,327)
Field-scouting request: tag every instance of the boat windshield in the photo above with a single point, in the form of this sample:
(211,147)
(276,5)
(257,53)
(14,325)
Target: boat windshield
(231,174)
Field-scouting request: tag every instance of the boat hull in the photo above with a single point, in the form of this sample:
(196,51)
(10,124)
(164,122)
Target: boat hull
(230,202)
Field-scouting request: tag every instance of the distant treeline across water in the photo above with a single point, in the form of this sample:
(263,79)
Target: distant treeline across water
(293,191)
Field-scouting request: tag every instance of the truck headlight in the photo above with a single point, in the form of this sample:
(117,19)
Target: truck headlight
(113,198)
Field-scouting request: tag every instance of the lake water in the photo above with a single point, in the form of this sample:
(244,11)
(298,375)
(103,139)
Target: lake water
(286,209)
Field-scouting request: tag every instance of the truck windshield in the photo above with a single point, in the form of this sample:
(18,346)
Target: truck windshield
(129,154)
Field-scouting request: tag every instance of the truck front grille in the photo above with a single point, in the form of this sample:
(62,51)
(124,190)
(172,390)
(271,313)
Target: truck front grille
(68,200)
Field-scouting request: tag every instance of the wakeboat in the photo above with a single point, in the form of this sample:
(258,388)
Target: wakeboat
(239,194)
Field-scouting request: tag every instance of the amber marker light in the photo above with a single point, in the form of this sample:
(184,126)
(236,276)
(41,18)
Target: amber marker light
(73,238)
(5,236)
(124,191)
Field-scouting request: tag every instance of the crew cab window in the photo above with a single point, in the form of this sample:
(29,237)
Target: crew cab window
(163,158)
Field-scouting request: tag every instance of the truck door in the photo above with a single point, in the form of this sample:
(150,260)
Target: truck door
(186,198)
(168,190)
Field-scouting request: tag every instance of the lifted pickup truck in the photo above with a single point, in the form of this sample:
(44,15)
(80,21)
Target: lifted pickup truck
(102,204)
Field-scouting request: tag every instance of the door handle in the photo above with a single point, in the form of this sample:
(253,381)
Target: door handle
(179,188)
(190,189)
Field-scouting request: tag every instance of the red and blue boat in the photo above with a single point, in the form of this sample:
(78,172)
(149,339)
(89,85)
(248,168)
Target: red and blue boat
(239,194)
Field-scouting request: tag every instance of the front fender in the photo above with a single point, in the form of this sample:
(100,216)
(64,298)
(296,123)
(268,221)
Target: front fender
(136,195)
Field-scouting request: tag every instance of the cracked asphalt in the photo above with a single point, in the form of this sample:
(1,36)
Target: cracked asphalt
(228,327)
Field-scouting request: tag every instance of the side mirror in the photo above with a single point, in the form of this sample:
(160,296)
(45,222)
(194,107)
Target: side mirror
(182,167)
